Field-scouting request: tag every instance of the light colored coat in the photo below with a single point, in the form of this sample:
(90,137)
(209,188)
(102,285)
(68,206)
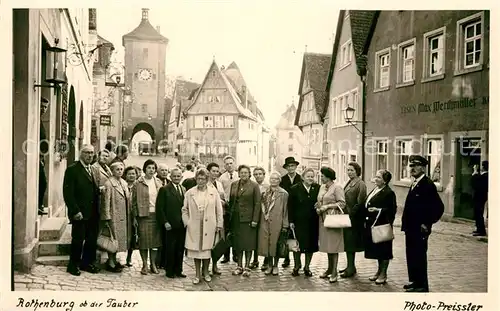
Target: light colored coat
(269,230)
(201,226)
(116,209)
(104,175)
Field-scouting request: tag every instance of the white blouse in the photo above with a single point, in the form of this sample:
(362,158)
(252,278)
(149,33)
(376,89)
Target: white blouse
(153,193)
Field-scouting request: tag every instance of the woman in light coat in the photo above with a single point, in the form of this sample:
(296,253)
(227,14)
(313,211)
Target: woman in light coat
(203,217)
(331,200)
(115,213)
(273,220)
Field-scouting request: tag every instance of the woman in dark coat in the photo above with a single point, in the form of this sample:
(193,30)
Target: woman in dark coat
(355,196)
(381,200)
(304,219)
(245,208)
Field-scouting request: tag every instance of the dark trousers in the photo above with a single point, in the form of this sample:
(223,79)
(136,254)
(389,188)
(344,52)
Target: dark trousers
(162,253)
(227,228)
(84,242)
(416,259)
(42,185)
(478,215)
(174,250)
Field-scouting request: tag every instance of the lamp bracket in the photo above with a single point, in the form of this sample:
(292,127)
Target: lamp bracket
(54,86)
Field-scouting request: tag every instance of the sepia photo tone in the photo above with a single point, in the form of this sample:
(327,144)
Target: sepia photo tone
(146,159)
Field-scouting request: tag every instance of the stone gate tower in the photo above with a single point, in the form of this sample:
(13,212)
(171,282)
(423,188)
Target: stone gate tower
(145,50)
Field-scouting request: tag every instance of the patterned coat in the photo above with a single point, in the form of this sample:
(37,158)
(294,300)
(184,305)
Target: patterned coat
(201,225)
(355,197)
(116,211)
(269,230)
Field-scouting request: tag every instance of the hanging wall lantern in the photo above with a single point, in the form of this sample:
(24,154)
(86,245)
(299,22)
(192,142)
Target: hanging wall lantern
(55,73)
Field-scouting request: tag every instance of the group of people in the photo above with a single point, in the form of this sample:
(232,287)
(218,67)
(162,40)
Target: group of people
(168,215)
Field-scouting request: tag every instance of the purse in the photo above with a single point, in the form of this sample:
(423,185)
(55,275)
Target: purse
(293,244)
(221,245)
(107,243)
(282,246)
(382,233)
(337,221)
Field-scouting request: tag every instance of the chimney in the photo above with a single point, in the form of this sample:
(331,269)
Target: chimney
(158,28)
(245,96)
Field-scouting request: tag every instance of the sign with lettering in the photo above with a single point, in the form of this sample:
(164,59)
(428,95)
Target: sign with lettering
(105,119)
(449,105)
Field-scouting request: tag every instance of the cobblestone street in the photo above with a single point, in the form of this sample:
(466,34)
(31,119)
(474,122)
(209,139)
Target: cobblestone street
(449,256)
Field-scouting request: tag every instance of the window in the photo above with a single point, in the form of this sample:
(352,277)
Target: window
(355,105)
(219,121)
(290,148)
(255,150)
(434,48)
(214,73)
(229,121)
(343,167)
(338,111)
(333,113)
(198,121)
(145,54)
(96,56)
(403,152)
(290,135)
(217,99)
(382,73)
(381,155)
(434,154)
(144,107)
(352,158)
(346,56)
(406,62)
(470,43)
(208,121)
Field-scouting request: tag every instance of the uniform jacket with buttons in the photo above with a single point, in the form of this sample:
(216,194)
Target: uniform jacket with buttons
(423,206)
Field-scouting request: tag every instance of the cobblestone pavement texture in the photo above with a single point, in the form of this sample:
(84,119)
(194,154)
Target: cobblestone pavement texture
(449,257)
(451,252)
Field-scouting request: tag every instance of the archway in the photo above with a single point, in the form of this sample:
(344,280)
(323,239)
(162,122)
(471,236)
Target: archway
(139,140)
(71,126)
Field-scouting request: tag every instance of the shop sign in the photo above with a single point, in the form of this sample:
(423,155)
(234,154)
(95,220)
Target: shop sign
(449,105)
(105,119)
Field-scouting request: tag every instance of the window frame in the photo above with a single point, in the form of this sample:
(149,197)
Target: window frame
(345,54)
(205,121)
(401,63)
(460,67)
(378,55)
(428,36)
(426,139)
(290,135)
(229,117)
(378,140)
(290,147)
(412,140)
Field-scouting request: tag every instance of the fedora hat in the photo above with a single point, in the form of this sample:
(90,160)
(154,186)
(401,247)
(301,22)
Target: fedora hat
(290,160)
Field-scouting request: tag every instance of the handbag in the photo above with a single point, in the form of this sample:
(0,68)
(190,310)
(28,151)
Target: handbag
(282,246)
(107,243)
(221,245)
(293,244)
(337,221)
(381,233)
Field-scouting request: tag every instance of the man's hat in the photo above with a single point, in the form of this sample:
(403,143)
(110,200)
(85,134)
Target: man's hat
(417,160)
(290,160)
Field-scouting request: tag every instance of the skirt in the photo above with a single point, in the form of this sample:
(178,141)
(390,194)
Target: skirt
(199,254)
(331,241)
(244,237)
(149,232)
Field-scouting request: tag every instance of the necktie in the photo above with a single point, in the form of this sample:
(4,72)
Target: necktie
(215,185)
(230,175)
(179,190)
(88,170)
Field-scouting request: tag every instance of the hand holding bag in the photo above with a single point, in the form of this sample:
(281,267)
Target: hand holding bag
(293,244)
(382,233)
(107,243)
(337,221)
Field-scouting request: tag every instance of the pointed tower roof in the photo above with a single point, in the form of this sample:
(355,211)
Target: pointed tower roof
(145,31)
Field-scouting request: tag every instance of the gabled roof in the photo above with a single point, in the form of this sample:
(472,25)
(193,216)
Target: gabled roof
(234,95)
(315,67)
(362,28)
(145,31)
(182,92)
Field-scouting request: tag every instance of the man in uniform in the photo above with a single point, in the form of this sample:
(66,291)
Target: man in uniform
(423,207)
(287,181)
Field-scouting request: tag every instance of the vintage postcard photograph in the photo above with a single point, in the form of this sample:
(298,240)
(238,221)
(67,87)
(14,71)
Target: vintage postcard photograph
(249,147)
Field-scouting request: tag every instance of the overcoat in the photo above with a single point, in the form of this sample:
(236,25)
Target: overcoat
(201,224)
(355,197)
(116,209)
(302,214)
(269,230)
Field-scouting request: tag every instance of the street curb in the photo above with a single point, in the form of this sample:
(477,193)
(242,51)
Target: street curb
(446,232)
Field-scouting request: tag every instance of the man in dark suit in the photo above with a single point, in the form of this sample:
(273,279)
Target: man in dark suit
(168,212)
(81,194)
(162,174)
(479,183)
(423,207)
(44,149)
(287,181)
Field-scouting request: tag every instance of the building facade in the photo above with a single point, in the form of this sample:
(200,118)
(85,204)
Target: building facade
(312,107)
(428,94)
(67,122)
(223,121)
(343,143)
(145,57)
(289,138)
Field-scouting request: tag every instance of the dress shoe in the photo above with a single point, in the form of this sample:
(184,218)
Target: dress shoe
(264,267)
(479,234)
(343,270)
(41,212)
(286,263)
(408,286)
(374,277)
(216,272)
(170,275)
(235,258)
(295,272)
(180,275)
(114,269)
(381,280)
(254,265)
(417,290)
(225,260)
(348,273)
(73,270)
(307,272)
(90,269)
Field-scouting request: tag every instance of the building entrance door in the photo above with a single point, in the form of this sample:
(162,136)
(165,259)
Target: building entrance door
(468,153)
